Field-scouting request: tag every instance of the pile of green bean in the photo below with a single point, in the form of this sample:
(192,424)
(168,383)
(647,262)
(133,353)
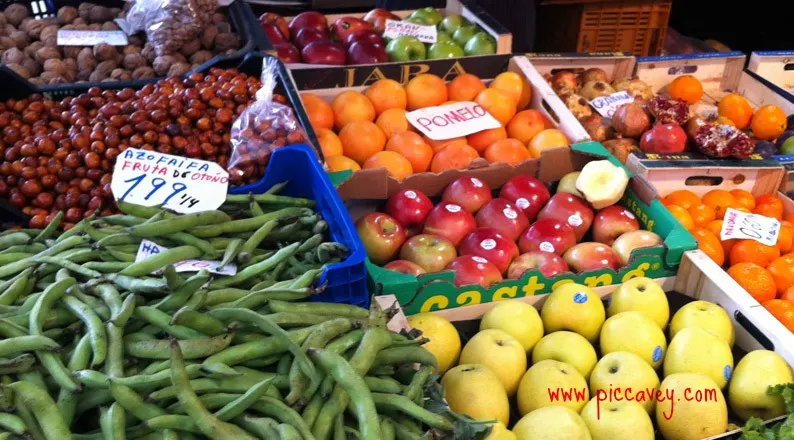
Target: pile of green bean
(98,346)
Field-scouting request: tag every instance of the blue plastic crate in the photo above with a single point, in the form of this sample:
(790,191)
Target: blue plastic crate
(347,281)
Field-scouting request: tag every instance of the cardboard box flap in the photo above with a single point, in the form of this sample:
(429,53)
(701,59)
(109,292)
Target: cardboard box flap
(717,71)
(617,65)
(774,66)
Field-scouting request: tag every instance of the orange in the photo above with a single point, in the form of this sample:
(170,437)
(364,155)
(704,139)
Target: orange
(720,200)
(498,103)
(514,86)
(782,270)
(329,142)
(320,113)
(754,252)
(785,239)
(525,125)
(788,295)
(414,148)
(465,87)
(393,121)
(702,215)
(769,206)
(439,145)
(482,139)
(386,94)
(508,150)
(769,122)
(716,227)
(361,139)
(756,280)
(737,109)
(744,199)
(341,163)
(709,244)
(395,163)
(790,218)
(351,106)
(547,139)
(683,198)
(783,311)
(686,88)
(682,215)
(453,157)
(426,90)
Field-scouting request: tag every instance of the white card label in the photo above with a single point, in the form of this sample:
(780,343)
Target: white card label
(149,248)
(606,105)
(91,38)
(396,29)
(744,226)
(398,322)
(453,120)
(180,184)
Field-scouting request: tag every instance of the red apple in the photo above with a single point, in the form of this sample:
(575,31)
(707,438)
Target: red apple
(628,242)
(274,34)
(365,35)
(588,256)
(343,27)
(550,265)
(609,223)
(287,53)
(469,192)
(308,20)
(406,267)
(409,207)
(377,18)
(504,217)
(450,221)
(547,235)
(527,193)
(366,52)
(491,245)
(471,269)
(306,37)
(281,22)
(570,209)
(429,252)
(382,236)
(324,52)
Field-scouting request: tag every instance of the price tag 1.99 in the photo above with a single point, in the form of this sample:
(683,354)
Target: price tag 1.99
(744,226)
(180,184)
(149,248)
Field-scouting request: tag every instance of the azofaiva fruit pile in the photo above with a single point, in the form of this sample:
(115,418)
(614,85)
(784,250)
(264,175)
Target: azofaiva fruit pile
(96,345)
(582,370)
(369,130)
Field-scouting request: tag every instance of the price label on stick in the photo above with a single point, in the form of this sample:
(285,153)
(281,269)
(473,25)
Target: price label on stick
(395,29)
(91,38)
(452,120)
(150,248)
(744,226)
(181,184)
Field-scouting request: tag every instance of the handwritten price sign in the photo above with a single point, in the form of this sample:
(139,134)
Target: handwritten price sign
(452,120)
(746,226)
(149,248)
(395,29)
(91,38)
(607,105)
(181,184)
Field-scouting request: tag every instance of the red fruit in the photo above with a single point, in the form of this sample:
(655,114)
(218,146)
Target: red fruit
(343,27)
(364,35)
(504,217)
(589,256)
(306,37)
(664,138)
(669,111)
(377,18)
(382,236)
(527,193)
(430,252)
(281,22)
(723,141)
(308,20)
(450,221)
(611,222)
(273,33)
(569,209)
(488,243)
(287,53)
(366,52)
(469,192)
(409,207)
(324,52)
(547,235)
(406,267)
(550,265)
(630,120)
(471,269)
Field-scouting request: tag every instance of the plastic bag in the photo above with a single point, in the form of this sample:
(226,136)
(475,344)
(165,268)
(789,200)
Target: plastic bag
(262,127)
(169,24)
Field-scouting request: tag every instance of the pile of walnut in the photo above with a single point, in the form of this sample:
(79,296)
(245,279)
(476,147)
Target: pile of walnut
(29,47)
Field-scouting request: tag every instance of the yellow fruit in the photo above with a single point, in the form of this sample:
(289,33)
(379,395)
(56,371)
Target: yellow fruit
(552,383)
(444,339)
(517,318)
(552,423)
(501,353)
(500,432)
(475,390)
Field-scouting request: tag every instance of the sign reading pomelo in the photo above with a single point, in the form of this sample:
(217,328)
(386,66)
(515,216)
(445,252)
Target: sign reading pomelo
(744,226)
(452,120)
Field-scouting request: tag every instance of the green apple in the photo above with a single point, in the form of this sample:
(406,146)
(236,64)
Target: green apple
(519,319)
(685,416)
(545,378)
(568,184)
(429,15)
(574,307)
(453,22)
(416,20)
(705,315)
(569,347)
(641,295)
(788,146)
(625,420)
(754,374)
(499,352)
(480,44)
(442,37)
(406,49)
(551,423)
(444,50)
(464,34)
(694,350)
(621,370)
(635,333)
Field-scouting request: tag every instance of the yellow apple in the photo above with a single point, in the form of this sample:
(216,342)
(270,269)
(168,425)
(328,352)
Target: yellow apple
(444,339)
(501,353)
(691,407)
(694,350)
(569,347)
(635,333)
(576,308)
(475,390)
(705,315)
(755,372)
(641,295)
(500,432)
(625,420)
(517,318)
(619,371)
(552,383)
(552,423)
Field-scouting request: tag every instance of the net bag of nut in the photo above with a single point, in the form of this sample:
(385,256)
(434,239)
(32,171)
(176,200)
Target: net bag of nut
(169,24)
(262,127)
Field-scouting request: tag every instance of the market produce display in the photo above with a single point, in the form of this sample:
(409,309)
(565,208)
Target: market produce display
(29,46)
(310,38)
(578,368)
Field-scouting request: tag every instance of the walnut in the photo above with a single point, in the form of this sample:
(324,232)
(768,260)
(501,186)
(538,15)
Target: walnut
(208,36)
(190,47)
(179,69)
(224,28)
(86,60)
(82,10)
(51,30)
(21,39)
(144,72)
(20,70)
(133,61)
(131,49)
(55,65)
(52,78)
(162,64)
(135,40)
(110,26)
(3,20)
(70,75)
(34,28)
(201,57)
(71,64)
(68,27)
(66,15)
(100,14)
(97,76)
(218,17)
(47,53)
(104,52)
(72,51)
(227,41)
(94,27)
(36,81)
(79,21)
(83,75)
(13,56)
(16,13)
(120,75)
(81,27)
(51,41)
(148,52)
(7,43)
(30,51)
(33,67)
(179,58)
(115,12)
(106,66)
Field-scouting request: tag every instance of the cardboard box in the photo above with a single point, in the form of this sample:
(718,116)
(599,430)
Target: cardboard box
(617,65)
(777,67)
(436,291)
(787,162)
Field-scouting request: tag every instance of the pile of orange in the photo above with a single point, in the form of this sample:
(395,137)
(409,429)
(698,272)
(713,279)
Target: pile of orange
(765,272)
(766,123)
(369,130)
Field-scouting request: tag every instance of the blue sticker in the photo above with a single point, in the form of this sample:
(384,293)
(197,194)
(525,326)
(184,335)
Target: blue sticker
(726,372)
(580,298)
(609,301)
(657,353)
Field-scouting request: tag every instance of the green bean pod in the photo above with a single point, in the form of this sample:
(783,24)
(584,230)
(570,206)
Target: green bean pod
(179,223)
(191,349)
(44,410)
(96,329)
(402,355)
(231,252)
(256,269)
(198,321)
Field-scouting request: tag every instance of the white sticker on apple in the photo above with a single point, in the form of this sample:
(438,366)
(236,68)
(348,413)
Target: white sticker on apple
(510,213)
(488,244)
(476,182)
(453,208)
(546,246)
(629,215)
(479,259)
(522,203)
(410,194)
(575,220)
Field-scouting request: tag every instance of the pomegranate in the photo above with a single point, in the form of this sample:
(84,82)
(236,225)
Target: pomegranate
(630,120)
(621,148)
(669,110)
(664,138)
(723,141)
(595,127)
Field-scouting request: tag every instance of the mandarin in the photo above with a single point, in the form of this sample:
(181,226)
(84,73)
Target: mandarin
(785,239)
(737,109)
(482,139)
(769,122)
(341,163)
(514,86)
(453,157)
(788,295)
(683,198)
(546,140)
(790,218)
(720,200)
(393,121)
(507,150)
(351,106)
(782,310)
(525,125)
(769,206)
(441,144)
(329,142)
(682,215)
(386,94)
(414,148)
(320,113)
(782,270)
(395,163)
(686,88)
(426,90)
(709,244)
(361,139)
(716,228)
(756,280)
(744,199)
(465,87)
(702,215)
(753,252)
(498,103)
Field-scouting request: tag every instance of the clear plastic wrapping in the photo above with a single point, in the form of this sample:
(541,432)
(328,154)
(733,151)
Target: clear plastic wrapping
(169,24)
